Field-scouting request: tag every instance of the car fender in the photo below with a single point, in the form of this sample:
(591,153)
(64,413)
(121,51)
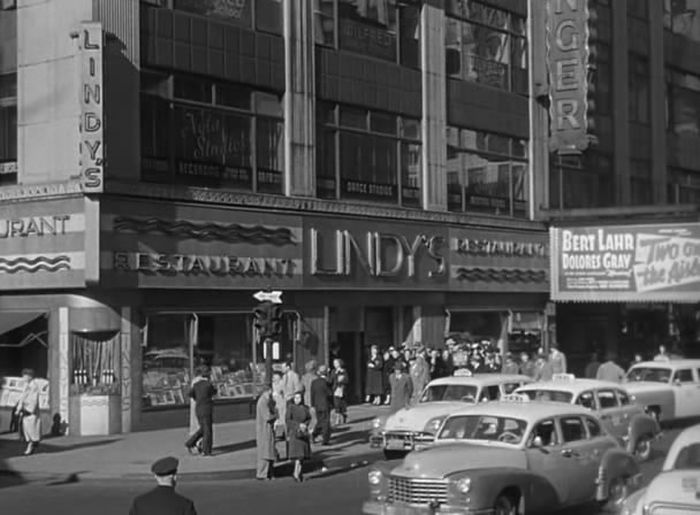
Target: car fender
(615,463)
(640,425)
(664,399)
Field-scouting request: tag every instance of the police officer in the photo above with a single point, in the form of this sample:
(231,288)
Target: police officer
(163,500)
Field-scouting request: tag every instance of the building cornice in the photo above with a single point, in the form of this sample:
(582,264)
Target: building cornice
(43,191)
(619,214)
(227,198)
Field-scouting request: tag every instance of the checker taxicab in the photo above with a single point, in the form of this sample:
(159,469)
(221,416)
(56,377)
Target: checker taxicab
(676,489)
(619,412)
(510,457)
(415,427)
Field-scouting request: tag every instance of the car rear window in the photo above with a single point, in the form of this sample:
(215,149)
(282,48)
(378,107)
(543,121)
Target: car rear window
(547,395)
(689,457)
(449,392)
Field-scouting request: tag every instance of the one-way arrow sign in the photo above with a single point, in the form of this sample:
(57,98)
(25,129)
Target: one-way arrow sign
(269,296)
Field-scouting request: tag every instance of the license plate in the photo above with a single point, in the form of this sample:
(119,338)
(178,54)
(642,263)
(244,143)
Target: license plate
(395,443)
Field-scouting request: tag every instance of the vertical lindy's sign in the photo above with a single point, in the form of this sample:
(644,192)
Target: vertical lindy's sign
(91,107)
(567,43)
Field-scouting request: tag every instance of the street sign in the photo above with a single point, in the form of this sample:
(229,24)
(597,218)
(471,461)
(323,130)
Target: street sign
(269,296)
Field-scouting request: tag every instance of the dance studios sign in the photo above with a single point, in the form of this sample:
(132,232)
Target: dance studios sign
(626,263)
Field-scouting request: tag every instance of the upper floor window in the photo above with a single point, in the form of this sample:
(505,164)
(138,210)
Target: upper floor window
(368,155)
(638,9)
(486,172)
(8,128)
(486,45)
(682,17)
(683,98)
(583,181)
(638,89)
(640,182)
(199,132)
(684,186)
(385,29)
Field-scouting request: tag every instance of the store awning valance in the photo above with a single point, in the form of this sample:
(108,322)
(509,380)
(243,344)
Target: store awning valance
(10,320)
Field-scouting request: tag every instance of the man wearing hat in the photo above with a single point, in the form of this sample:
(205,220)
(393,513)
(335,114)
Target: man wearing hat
(401,388)
(163,500)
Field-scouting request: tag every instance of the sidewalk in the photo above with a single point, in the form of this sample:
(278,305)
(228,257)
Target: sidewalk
(130,456)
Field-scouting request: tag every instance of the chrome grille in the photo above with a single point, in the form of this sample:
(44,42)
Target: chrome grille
(671,509)
(417,491)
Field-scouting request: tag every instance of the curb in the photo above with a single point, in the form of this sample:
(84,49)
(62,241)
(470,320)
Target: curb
(314,469)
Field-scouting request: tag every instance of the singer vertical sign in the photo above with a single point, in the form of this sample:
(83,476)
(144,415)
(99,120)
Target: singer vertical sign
(567,55)
(91,107)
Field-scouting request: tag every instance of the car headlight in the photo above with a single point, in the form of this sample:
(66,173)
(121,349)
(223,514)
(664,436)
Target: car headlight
(464,485)
(630,505)
(374,477)
(433,425)
(378,423)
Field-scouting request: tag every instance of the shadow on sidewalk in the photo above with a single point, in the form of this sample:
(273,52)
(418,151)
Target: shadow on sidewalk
(15,448)
(234,447)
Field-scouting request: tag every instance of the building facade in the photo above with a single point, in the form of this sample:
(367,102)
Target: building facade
(382,163)
(625,212)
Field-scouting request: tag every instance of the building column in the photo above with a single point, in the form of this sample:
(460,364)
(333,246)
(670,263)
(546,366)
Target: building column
(299,103)
(126,370)
(539,115)
(657,96)
(64,369)
(434,107)
(620,99)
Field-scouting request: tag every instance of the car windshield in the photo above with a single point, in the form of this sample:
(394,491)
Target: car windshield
(483,427)
(689,457)
(449,392)
(653,374)
(547,395)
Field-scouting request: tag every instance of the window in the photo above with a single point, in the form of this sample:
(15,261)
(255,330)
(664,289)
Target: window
(490,393)
(640,181)
(8,128)
(265,15)
(581,181)
(638,9)
(607,399)
(587,400)
(486,45)
(211,134)
(683,376)
(486,172)
(572,429)
(368,155)
(683,18)
(548,395)
(384,29)
(638,89)
(688,458)
(546,433)
(623,398)
(593,427)
(684,187)
(683,99)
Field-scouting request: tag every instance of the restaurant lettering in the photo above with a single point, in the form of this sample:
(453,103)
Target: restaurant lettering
(33,226)
(378,254)
(567,42)
(500,248)
(91,108)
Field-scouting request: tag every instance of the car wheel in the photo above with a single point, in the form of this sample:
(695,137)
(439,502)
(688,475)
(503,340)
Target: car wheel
(393,455)
(642,450)
(617,493)
(504,505)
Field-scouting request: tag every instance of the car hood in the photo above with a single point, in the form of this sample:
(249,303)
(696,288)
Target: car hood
(442,460)
(636,387)
(416,417)
(675,486)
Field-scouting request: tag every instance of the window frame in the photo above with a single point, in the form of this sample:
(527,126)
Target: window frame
(584,429)
(613,396)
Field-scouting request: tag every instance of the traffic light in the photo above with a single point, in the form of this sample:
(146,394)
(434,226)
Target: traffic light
(276,320)
(262,317)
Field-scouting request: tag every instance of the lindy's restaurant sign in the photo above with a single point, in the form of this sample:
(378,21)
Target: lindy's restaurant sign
(627,263)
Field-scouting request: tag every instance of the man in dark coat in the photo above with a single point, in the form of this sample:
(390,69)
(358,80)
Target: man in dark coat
(401,388)
(203,392)
(321,402)
(163,500)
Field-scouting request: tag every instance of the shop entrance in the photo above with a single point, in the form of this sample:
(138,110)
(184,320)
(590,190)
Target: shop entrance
(349,349)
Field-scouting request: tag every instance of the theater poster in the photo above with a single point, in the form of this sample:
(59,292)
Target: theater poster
(629,263)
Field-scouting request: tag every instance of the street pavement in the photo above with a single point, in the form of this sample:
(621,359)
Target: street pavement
(339,491)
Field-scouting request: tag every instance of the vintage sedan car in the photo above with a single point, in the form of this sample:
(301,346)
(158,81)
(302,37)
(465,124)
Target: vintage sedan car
(669,389)
(676,489)
(508,458)
(415,427)
(617,409)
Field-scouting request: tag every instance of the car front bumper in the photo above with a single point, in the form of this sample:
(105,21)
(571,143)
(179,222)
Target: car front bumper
(382,508)
(400,440)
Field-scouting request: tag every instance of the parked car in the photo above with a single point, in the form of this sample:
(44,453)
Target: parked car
(676,489)
(616,408)
(508,458)
(415,427)
(669,389)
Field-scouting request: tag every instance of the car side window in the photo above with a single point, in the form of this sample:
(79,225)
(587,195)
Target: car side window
(593,427)
(684,376)
(546,431)
(607,399)
(623,397)
(587,400)
(509,388)
(490,393)
(572,429)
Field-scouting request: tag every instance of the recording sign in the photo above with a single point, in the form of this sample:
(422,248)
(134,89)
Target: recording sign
(91,108)
(567,42)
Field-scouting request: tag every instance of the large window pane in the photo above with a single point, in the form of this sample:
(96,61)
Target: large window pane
(410,174)
(368,27)
(681,18)
(270,154)
(268,15)
(325,163)
(324,27)
(234,11)
(368,167)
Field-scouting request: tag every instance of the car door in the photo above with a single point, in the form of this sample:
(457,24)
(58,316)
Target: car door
(558,468)
(610,413)
(686,388)
(582,452)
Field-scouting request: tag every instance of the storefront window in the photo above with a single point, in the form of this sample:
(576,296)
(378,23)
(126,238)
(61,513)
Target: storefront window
(486,172)
(385,29)
(96,363)
(214,134)
(681,18)
(684,187)
(683,99)
(372,155)
(486,45)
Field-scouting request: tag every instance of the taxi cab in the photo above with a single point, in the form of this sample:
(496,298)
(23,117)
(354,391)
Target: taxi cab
(616,408)
(415,427)
(669,389)
(677,487)
(510,457)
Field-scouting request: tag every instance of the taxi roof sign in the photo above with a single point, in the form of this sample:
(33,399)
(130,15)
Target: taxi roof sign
(563,377)
(515,397)
(462,372)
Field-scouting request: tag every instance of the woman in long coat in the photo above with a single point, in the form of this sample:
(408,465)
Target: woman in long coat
(298,420)
(28,408)
(374,381)
(265,416)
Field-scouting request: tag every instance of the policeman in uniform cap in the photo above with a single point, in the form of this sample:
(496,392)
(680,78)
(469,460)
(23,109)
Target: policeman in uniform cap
(163,500)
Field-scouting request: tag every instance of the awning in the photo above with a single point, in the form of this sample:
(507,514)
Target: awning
(10,320)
